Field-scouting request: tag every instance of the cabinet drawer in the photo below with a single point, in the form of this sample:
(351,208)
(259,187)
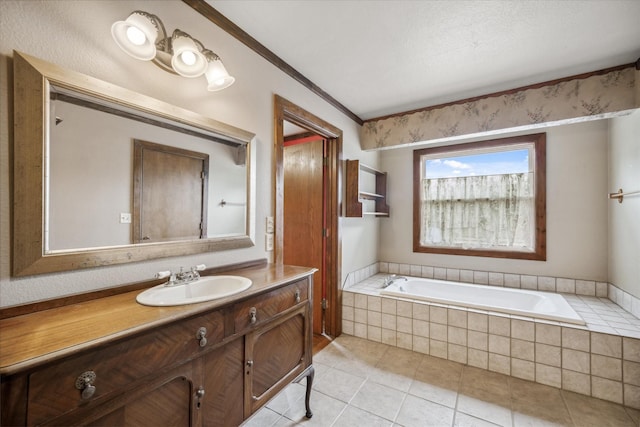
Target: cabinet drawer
(257,310)
(52,390)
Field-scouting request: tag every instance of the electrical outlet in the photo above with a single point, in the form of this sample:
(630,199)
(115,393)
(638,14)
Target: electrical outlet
(125,218)
(269,225)
(268,242)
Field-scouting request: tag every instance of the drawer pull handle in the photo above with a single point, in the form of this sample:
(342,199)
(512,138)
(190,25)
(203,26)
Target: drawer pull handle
(249,363)
(201,336)
(297,296)
(200,392)
(84,382)
(253,315)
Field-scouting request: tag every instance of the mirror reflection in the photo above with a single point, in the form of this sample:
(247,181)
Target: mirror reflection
(115,178)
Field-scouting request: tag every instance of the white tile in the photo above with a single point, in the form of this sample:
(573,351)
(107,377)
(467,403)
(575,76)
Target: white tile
(389,305)
(457,353)
(427,272)
(529,282)
(549,375)
(606,367)
(548,334)
(478,358)
(360,301)
(389,322)
(606,345)
(631,349)
(404,324)
(524,350)
(606,389)
(481,277)
(496,279)
(576,382)
(348,299)
(404,308)
(421,328)
(500,325)
(585,287)
(548,354)
(512,280)
(575,339)
(632,396)
(420,311)
(438,348)
(374,303)
(374,318)
(478,340)
(421,344)
(523,369)
(500,363)
(457,335)
(453,274)
(574,360)
(522,330)
(438,315)
(457,318)
(374,333)
(478,322)
(500,345)
(567,286)
(438,332)
(546,284)
(404,340)
(440,273)
(631,372)
(466,276)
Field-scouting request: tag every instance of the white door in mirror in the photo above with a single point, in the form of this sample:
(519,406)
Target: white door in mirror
(204,289)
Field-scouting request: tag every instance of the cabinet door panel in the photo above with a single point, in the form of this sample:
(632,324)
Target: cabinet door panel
(275,355)
(223,402)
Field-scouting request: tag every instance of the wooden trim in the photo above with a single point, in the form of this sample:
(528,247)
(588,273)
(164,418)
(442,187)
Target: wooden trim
(540,250)
(505,92)
(18,310)
(227,25)
(286,110)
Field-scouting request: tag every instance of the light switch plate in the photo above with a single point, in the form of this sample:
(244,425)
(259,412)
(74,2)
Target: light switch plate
(269,225)
(125,218)
(268,242)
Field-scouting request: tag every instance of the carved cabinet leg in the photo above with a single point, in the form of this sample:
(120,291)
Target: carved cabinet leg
(310,374)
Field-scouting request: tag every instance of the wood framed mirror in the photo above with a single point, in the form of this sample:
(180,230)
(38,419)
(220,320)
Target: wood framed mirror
(46,206)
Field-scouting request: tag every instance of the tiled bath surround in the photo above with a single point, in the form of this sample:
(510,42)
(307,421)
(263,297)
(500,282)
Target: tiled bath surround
(600,360)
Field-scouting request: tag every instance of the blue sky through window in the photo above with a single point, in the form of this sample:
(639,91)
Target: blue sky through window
(513,161)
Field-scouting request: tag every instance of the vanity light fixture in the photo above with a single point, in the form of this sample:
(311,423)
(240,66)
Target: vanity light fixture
(143,36)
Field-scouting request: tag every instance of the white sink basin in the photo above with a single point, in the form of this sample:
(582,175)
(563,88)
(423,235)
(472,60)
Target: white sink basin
(204,289)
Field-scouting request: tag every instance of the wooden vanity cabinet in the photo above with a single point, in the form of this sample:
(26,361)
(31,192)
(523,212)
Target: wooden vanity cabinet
(175,374)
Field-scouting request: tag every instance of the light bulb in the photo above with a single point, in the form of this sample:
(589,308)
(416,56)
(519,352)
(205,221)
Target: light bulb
(136,36)
(188,57)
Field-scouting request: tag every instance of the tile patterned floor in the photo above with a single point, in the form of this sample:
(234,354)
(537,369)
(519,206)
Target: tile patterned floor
(363,383)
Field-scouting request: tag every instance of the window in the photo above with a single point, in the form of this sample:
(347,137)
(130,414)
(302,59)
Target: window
(481,199)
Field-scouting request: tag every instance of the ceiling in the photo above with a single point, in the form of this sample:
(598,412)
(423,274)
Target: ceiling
(385,57)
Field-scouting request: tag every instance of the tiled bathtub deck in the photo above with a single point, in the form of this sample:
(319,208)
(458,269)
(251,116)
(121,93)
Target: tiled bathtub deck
(600,360)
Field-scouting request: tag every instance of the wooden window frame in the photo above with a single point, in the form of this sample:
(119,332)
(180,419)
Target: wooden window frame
(539,252)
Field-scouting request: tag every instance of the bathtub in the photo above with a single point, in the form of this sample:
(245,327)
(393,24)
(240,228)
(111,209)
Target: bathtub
(542,305)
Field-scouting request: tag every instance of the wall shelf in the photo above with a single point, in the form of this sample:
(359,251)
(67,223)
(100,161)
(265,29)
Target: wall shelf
(355,195)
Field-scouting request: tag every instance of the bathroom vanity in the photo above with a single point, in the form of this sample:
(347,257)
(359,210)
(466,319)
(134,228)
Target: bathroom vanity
(112,361)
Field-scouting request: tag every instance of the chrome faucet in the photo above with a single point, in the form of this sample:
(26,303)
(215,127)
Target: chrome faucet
(182,277)
(392,278)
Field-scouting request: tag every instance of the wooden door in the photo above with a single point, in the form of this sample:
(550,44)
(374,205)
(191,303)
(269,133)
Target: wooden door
(304,215)
(170,193)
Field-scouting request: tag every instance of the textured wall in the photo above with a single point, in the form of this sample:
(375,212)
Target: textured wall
(76,35)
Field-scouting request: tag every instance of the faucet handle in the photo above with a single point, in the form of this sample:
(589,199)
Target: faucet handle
(199,267)
(163,274)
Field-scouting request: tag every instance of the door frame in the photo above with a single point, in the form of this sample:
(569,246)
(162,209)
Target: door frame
(286,110)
